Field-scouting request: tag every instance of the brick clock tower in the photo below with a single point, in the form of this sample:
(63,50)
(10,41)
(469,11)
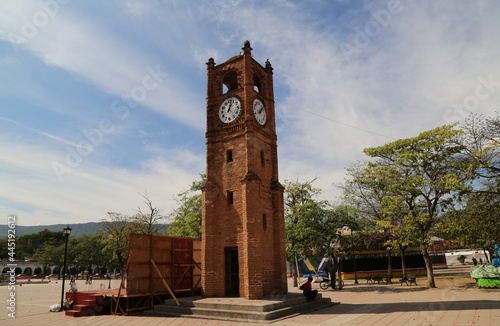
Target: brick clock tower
(243,231)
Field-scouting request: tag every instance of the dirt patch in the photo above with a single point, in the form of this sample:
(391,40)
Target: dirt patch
(455,280)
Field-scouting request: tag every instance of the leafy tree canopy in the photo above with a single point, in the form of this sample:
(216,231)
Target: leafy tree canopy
(186,219)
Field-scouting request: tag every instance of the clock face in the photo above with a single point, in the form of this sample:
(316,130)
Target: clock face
(229,110)
(259,111)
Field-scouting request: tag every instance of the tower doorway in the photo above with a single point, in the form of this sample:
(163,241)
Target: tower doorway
(232,272)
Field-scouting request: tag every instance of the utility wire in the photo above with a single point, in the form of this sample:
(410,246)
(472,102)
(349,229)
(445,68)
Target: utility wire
(336,121)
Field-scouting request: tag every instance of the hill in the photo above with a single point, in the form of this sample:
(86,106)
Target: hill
(77,230)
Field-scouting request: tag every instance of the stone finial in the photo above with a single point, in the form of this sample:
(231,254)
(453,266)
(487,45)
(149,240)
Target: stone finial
(268,65)
(210,63)
(246,47)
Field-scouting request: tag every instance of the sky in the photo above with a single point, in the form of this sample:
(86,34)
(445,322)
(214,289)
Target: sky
(102,101)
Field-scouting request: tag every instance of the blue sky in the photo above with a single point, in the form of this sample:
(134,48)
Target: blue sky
(101,101)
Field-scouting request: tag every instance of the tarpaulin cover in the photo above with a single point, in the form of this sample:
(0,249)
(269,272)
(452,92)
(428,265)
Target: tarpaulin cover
(485,272)
(488,283)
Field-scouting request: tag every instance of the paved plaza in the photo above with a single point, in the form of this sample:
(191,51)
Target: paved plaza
(456,301)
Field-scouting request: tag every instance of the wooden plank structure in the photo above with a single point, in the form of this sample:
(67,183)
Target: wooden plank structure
(158,267)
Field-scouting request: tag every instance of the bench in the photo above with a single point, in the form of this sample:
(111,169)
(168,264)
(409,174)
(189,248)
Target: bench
(386,279)
(373,278)
(409,279)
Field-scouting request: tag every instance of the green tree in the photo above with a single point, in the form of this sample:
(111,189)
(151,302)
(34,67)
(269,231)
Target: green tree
(51,253)
(303,216)
(330,243)
(90,250)
(481,142)
(4,248)
(26,245)
(381,208)
(476,224)
(475,221)
(115,231)
(430,173)
(186,219)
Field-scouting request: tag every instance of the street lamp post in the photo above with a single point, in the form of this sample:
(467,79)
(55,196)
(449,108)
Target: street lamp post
(67,232)
(355,274)
(110,237)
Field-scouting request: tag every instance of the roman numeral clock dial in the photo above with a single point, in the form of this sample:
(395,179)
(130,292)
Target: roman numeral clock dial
(229,110)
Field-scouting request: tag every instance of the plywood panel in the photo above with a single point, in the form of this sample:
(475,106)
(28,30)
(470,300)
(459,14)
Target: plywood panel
(172,255)
(196,244)
(197,257)
(183,243)
(139,241)
(183,257)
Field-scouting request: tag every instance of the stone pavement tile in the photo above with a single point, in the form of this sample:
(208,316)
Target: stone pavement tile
(448,317)
(395,313)
(393,318)
(397,318)
(482,319)
(351,314)
(411,316)
(412,313)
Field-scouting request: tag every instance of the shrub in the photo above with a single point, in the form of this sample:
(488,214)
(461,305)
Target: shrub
(461,259)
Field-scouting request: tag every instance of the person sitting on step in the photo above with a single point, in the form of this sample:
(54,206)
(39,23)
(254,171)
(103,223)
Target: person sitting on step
(309,293)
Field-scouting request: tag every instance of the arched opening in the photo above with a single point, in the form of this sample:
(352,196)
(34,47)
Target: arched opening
(256,83)
(5,270)
(56,270)
(18,270)
(38,271)
(28,271)
(230,82)
(48,271)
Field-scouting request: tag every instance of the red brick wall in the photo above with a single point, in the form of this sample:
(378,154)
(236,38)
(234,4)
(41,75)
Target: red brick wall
(255,186)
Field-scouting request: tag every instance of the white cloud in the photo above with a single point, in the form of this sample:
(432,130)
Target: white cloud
(405,80)
(137,8)
(89,191)
(87,49)
(45,134)
(401,84)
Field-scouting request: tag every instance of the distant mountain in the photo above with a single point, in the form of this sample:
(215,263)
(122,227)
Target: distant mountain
(77,230)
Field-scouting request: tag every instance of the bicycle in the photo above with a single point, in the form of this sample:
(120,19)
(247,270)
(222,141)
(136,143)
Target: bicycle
(326,283)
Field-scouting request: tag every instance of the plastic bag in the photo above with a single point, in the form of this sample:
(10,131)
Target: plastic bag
(55,307)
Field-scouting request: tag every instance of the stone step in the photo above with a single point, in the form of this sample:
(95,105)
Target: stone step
(86,307)
(267,304)
(80,310)
(244,310)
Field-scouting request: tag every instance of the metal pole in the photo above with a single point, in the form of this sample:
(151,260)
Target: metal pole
(109,276)
(297,265)
(64,270)
(355,274)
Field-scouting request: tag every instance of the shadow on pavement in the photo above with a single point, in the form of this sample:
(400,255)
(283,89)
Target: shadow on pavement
(410,306)
(377,288)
